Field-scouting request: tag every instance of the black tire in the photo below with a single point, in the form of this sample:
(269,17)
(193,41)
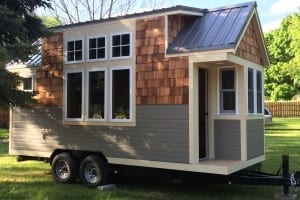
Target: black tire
(64,168)
(93,171)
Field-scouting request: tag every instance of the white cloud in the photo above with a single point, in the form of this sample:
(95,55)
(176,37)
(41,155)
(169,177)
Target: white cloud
(271,26)
(284,6)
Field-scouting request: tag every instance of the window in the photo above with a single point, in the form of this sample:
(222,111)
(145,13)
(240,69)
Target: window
(96,49)
(255,93)
(74,51)
(121,45)
(121,94)
(259,91)
(96,95)
(227,90)
(26,84)
(74,95)
(250,91)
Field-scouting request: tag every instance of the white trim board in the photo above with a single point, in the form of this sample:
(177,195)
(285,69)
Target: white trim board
(224,167)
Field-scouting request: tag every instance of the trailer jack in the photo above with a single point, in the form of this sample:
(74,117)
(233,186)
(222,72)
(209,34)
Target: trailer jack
(283,178)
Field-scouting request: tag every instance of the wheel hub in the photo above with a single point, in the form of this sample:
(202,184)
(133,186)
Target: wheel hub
(62,169)
(91,173)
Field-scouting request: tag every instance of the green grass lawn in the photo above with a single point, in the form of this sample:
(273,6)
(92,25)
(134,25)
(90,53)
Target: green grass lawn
(32,179)
(3,133)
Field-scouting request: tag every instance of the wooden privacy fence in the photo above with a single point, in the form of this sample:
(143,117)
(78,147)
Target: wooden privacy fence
(4,118)
(284,108)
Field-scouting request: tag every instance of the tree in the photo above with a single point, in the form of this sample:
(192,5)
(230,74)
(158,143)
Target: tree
(282,78)
(74,11)
(50,21)
(19,29)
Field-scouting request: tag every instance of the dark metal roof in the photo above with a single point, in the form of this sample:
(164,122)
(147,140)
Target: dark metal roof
(219,28)
(178,8)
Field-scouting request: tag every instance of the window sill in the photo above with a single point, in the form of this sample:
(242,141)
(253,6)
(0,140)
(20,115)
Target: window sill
(121,57)
(98,123)
(96,60)
(73,62)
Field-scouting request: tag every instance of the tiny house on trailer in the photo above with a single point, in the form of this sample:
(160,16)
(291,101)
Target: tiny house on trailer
(177,88)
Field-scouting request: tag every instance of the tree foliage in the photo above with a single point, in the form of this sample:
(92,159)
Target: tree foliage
(19,29)
(282,78)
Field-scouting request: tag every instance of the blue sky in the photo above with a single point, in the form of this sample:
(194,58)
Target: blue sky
(270,12)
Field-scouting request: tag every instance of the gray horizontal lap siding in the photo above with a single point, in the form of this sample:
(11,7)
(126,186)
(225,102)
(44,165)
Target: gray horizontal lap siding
(161,134)
(227,139)
(255,138)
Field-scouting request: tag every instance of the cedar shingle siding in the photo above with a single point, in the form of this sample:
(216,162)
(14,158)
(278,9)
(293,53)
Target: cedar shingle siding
(49,77)
(159,80)
(249,48)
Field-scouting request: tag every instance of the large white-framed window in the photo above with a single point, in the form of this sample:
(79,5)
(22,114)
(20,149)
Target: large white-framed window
(121,45)
(227,90)
(121,107)
(255,91)
(74,50)
(74,95)
(96,94)
(97,48)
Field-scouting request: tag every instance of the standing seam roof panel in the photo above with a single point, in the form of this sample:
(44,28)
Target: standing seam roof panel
(226,27)
(214,32)
(217,29)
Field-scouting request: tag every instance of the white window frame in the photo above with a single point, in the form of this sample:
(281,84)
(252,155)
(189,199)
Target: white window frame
(220,112)
(130,45)
(66,93)
(130,94)
(88,48)
(254,78)
(66,50)
(103,69)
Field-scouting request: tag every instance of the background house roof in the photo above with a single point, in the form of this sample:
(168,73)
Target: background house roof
(219,28)
(34,60)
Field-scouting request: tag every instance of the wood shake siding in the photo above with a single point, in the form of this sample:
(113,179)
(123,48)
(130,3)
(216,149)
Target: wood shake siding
(175,24)
(49,77)
(159,80)
(249,47)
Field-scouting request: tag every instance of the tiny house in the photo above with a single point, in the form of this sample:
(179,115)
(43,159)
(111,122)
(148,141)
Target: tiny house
(176,88)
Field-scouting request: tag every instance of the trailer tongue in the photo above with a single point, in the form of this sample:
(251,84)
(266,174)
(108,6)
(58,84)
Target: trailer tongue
(283,178)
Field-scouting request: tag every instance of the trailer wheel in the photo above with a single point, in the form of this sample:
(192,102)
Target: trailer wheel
(93,171)
(64,168)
